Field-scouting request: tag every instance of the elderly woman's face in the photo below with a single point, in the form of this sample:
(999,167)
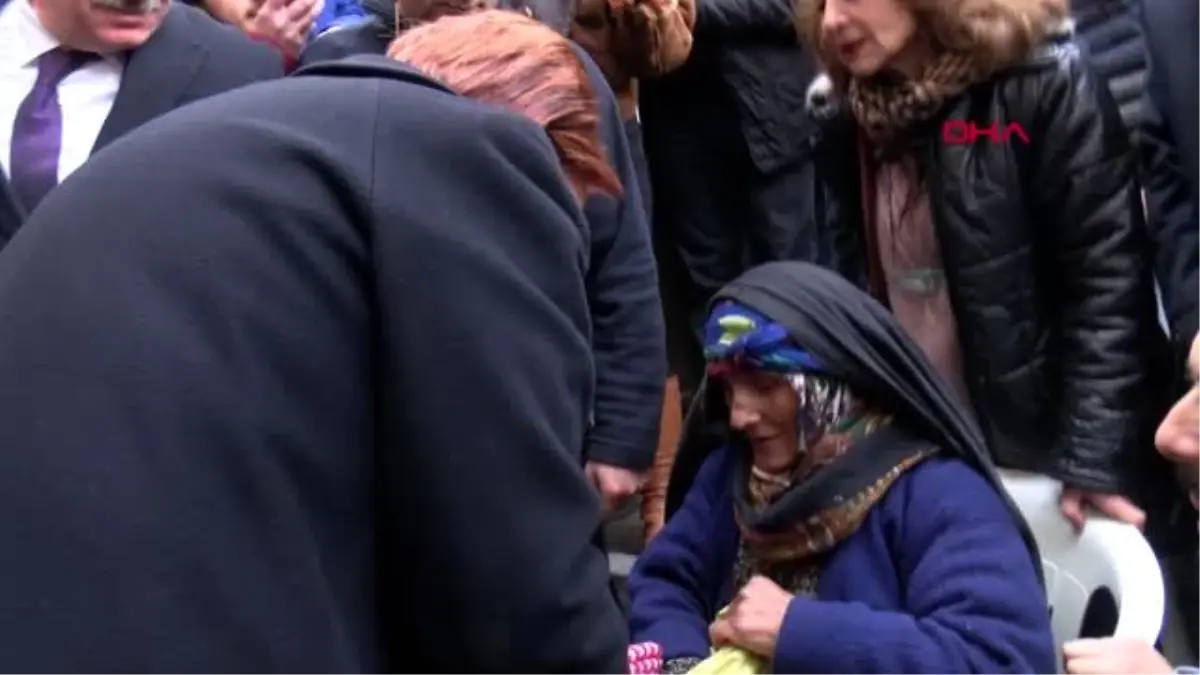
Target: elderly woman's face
(762,406)
(866,36)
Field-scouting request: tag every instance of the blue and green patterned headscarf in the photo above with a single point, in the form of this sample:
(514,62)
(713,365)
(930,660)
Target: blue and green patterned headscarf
(740,337)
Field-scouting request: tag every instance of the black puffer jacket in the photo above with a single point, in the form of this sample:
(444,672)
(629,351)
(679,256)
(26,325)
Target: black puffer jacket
(1111,34)
(767,72)
(1044,248)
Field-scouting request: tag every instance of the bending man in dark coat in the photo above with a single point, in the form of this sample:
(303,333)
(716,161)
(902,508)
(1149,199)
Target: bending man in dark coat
(628,337)
(296,379)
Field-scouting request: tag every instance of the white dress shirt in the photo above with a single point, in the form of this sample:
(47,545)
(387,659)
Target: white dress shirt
(86,95)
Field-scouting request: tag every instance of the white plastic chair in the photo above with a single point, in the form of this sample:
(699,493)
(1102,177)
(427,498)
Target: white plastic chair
(1107,554)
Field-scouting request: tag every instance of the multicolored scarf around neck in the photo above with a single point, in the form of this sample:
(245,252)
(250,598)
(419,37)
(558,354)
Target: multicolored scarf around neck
(791,519)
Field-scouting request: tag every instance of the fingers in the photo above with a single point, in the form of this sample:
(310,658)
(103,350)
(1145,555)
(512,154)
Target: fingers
(1089,665)
(720,633)
(298,11)
(1071,505)
(1079,648)
(1120,508)
(310,17)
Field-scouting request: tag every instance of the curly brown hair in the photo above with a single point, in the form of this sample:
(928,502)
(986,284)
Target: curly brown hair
(514,61)
(994,33)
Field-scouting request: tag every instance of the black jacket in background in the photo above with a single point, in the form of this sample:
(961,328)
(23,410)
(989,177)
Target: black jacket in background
(296,379)
(1112,38)
(767,71)
(1170,137)
(1047,260)
(629,343)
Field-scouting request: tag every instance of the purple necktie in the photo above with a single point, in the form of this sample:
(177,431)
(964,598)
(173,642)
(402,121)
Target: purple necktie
(37,130)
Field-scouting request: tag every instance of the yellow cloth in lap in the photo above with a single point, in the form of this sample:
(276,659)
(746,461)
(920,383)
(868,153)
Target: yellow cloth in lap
(731,661)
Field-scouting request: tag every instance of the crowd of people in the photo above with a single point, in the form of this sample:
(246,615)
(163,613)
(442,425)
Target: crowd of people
(332,333)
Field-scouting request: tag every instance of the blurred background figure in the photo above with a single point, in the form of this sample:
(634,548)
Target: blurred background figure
(1169,141)
(632,41)
(77,74)
(1114,46)
(729,161)
(1169,147)
(337,14)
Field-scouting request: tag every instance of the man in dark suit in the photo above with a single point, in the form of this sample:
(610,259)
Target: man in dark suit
(1171,132)
(311,400)
(77,74)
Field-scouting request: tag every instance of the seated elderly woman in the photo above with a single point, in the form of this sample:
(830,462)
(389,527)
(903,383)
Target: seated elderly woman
(848,519)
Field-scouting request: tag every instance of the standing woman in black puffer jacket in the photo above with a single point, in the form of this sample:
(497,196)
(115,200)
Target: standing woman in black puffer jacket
(977,178)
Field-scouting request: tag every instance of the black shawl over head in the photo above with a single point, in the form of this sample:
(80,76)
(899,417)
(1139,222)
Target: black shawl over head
(857,339)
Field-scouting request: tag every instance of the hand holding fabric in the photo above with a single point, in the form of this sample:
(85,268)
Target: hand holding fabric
(753,619)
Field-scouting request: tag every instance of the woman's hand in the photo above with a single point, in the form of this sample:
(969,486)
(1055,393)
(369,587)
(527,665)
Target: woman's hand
(283,23)
(752,621)
(1075,502)
(1109,656)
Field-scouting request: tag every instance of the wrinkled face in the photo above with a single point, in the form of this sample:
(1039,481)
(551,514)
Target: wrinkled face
(762,406)
(101,26)
(1178,437)
(866,36)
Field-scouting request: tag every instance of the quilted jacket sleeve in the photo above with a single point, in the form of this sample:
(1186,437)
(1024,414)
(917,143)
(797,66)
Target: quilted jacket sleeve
(747,20)
(1084,182)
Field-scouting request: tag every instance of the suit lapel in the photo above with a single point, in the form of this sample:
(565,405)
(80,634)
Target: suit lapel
(156,77)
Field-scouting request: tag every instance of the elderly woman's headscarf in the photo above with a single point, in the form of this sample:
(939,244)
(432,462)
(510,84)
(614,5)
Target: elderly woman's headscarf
(845,353)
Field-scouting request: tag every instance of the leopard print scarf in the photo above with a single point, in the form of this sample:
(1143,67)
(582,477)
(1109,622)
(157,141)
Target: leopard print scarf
(885,106)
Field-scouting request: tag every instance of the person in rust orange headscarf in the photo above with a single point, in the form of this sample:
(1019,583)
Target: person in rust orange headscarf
(628,340)
(512,60)
(516,62)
